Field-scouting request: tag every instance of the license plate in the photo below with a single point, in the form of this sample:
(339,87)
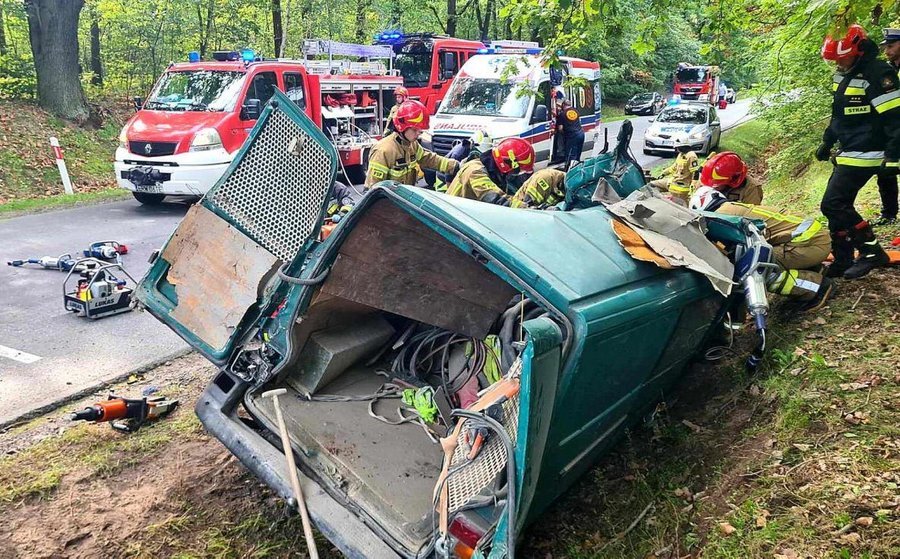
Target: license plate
(665,142)
(149,188)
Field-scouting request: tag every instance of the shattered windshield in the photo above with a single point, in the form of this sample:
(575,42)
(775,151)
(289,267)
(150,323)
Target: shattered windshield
(470,96)
(691,75)
(196,90)
(683,115)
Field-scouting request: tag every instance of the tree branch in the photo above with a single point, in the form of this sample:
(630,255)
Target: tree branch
(437,16)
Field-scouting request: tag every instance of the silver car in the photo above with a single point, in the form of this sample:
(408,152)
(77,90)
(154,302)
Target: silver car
(698,121)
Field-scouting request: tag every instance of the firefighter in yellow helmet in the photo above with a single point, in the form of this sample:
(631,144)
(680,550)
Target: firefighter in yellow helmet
(398,156)
(401,94)
(678,179)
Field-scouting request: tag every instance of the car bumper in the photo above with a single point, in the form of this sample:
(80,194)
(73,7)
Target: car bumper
(657,144)
(216,408)
(183,175)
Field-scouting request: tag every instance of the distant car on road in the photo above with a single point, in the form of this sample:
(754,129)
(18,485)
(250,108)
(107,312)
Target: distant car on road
(730,95)
(645,104)
(698,121)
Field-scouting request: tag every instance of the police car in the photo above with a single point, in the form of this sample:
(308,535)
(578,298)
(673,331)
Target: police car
(699,121)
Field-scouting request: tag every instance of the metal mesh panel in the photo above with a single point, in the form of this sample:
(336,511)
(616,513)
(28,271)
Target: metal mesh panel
(480,473)
(277,191)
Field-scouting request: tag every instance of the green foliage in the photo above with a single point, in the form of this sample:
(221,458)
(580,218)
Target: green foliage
(17,78)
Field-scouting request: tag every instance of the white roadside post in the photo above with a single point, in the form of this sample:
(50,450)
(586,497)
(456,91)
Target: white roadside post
(61,164)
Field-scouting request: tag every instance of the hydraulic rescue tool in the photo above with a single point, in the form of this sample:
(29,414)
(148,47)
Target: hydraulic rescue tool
(754,264)
(102,289)
(63,262)
(107,250)
(126,415)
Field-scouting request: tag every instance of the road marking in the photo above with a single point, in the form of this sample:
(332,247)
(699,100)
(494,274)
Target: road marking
(17,355)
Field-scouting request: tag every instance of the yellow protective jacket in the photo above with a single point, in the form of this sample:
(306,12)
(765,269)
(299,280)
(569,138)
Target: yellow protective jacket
(474,182)
(546,187)
(780,228)
(681,174)
(394,158)
(750,193)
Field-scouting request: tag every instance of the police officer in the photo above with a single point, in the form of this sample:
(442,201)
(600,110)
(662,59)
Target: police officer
(568,127)
(678,179)
(865,120)
(727,173)
(398,155)
(799,246)
(543,189)
(887,183)
(492,175)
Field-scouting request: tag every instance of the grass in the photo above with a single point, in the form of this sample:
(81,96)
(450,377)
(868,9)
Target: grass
(61,201)
(28,172)
(612,113)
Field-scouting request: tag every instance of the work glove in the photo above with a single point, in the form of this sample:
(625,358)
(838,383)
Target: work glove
(824,152)
(889,168)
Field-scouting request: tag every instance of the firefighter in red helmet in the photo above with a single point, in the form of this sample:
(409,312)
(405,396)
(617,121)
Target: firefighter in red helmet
(727,173)
(497,174)
(398,155)
(865,121)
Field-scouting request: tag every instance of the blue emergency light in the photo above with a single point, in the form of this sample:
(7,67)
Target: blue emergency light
(247,55)
(193,56)
(389,37)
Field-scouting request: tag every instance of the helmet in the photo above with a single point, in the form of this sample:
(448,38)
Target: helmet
(845,48)
(411,114)
(724,171)
(512,154)
(402,91)
(481,141)
(707,199)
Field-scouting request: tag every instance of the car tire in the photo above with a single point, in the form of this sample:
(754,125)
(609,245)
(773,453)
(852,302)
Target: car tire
(148,199)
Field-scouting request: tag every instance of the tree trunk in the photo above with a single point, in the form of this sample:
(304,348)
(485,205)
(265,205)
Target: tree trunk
(96,63)
(451,18)
(277,31)
(53,33)
(206,28)
(2,30)
(362,7)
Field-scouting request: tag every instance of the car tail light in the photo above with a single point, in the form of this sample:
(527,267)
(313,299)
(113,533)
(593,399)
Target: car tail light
(467,534)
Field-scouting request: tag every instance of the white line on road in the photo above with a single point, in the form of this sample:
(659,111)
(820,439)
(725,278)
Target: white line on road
(17,355)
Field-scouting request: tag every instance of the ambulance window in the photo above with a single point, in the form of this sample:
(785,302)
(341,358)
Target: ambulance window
(293,88)
(544,94)
(586,101)
(262,87)
(597,100)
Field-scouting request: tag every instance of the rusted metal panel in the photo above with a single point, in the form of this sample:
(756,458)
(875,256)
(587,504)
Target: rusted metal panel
(216,271)
(394,262)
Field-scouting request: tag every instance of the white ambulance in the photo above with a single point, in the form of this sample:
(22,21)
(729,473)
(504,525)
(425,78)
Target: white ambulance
(486,95)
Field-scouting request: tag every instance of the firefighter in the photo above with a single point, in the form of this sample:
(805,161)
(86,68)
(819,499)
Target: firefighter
(678,179)
(398,155)
(887,182)
(727,173)
(464,150)
(401,94)
(568,127)
(494,173)
(799,246)
(543,189)
(865,120)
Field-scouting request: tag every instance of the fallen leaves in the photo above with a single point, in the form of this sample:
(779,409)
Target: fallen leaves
(856,418)
(864,521)
(726,529)
(762,520)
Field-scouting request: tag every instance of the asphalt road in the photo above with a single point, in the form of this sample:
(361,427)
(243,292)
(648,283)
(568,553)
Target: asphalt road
(47,353)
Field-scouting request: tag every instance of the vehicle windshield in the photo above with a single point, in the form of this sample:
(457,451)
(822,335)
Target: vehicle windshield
(196,90)
(642,97)
(683,115)
(413,60)
(470,96)
(690,75)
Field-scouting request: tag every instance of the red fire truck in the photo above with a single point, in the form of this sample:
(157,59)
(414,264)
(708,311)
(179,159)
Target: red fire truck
(697,83)
(198,114)
(428,62)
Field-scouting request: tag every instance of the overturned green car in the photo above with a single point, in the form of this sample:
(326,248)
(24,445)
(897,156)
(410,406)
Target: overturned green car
(451,366)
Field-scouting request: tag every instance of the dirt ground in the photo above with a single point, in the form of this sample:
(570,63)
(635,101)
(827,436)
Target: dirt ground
(797,461)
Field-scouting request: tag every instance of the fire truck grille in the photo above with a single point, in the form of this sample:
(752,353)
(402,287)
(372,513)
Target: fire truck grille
(152,149)
(278,189)
(442,144)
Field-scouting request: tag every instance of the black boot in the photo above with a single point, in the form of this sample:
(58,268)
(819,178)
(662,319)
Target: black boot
(826,291)
(842,250)
(871,255)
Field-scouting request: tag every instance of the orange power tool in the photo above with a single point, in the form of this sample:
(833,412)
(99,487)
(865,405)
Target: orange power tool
(124,414)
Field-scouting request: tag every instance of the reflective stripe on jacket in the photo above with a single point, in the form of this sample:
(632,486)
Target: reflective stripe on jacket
(393,158)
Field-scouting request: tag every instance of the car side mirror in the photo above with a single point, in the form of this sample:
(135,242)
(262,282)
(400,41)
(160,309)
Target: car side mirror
(251,109)
(138,103)
(540,114)
(448,65)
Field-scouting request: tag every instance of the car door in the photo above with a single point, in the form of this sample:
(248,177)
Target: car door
(715,128)
(221,268)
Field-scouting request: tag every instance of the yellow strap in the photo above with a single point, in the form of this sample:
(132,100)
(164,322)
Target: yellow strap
(888,105)
(857,162)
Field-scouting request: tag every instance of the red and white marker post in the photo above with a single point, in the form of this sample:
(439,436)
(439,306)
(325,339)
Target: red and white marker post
(61,164)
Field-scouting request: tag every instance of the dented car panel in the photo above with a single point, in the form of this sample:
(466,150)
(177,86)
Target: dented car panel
(611,334)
